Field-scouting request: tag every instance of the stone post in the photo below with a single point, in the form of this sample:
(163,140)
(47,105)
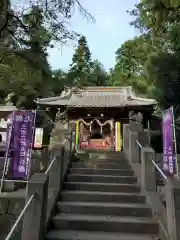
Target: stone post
(144,139)
(55,175)
(45,158)
(61,158)
(148,176)
(126,139)
(172,192)
(34,221)
(133,147)
(55,180)
(135,129)
(71,141)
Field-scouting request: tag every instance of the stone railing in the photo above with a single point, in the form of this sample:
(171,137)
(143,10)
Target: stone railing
(41,195)
(143,160)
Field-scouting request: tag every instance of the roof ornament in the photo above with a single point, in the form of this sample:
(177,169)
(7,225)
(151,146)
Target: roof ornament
(129,93)
(78,90)
(62,116)
(139,117)
(133,117)
(8,101)
(66,93)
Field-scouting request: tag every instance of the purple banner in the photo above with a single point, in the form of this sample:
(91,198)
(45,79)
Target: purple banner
(169,156)
(10,120)
(20,143)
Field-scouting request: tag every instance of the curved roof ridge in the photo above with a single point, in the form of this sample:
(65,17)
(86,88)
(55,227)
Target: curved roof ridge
(97,88)
(144,99)
(97,97)
(65,95)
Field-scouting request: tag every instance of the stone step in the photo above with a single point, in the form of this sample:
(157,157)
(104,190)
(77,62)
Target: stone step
(104,223)
(99,171)
(102,187)
(102,197)
(86,235)
(106,154)
(90,164)
(100,178)
(102,160)
(113,209)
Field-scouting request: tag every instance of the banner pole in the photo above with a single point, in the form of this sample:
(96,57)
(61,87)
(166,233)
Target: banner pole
(77,135)
(6,155)
(175,143)
(30,150)
(149,135)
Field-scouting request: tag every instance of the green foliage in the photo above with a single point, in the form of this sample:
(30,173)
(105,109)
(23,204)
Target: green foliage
(39,37)
(25,35)
(59,80)
(25,74)
(99,75)
(56,15)
(165,70)
(83,71)
(19,84)
(151,62)
(131,64)
(31,81)
(81,67)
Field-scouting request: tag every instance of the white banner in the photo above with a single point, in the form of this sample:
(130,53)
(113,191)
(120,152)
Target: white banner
(38,139)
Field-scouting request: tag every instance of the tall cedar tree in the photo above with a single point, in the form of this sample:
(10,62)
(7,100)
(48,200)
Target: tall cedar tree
(82,65)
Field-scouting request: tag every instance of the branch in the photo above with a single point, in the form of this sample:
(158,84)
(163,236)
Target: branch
(13,35)
(85,12)
(1,59)
(5,24)
(19,21)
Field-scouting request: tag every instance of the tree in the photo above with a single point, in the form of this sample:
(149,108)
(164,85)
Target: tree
(83,71)
(81,67)
(53,12)
(34,46)
(99,75)
(130,67)
(161,21)
(23,35)
(165,71)
(155,15)
(59,80)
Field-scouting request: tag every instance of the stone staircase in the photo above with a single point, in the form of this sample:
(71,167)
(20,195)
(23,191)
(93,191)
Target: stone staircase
(101,200)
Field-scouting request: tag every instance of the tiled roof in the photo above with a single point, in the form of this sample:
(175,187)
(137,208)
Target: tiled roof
(97,97)
(7,108)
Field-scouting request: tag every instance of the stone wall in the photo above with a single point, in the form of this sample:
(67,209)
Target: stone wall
(12,203)
(11,206)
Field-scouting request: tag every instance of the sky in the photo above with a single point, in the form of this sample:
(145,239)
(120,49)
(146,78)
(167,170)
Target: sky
(104,37)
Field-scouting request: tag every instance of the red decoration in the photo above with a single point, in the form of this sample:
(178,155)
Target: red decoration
(95,144)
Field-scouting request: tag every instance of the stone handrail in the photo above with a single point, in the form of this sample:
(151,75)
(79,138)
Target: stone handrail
(41,195)
(15,226)
(143,160)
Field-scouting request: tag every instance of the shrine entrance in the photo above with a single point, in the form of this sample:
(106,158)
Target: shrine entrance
(96,134)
